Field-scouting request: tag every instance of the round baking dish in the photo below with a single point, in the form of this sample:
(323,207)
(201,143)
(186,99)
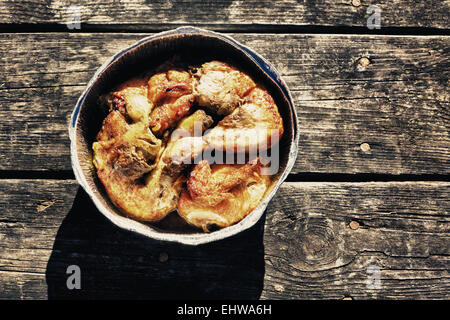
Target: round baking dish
(194,44)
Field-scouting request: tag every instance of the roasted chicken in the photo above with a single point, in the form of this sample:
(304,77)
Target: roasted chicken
(255,125)
(131,167)
(221,87)
(187,139)
(170,94)
(221,195)
(130,99)
(151,137)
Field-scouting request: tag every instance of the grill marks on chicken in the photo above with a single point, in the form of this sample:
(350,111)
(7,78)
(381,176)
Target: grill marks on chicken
(142,163)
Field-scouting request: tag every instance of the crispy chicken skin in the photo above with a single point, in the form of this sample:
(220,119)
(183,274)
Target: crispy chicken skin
(254,125)
(132,148)
(171,95)
(210,189)
(114,125)
(130,99)
(221,195)
(221,87)
(150,200)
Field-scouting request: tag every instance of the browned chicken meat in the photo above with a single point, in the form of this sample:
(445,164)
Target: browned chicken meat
(113,126)
(130,99)
(132,153)
(150,138)
(222,195)
(256,124)
(222,87)
(187,145)
(171,95)
(210,189)
(131,167)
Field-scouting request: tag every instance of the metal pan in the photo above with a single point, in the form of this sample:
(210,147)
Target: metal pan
(192,43)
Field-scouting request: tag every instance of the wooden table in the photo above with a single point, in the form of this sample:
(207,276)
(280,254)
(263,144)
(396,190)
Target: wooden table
(369,191)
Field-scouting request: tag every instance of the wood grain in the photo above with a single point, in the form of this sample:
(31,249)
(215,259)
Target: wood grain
(303,249)
(390,116)
(226,14)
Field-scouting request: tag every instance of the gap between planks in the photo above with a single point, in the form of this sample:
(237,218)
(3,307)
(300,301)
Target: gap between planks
(237,28)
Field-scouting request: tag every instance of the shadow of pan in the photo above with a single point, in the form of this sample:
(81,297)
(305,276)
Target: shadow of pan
(118,264)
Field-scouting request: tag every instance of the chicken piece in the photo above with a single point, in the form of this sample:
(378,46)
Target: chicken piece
(221,87)
(195,124)
(150,200)
(221,195)
(130,99)
(113,126)
(131,150)
(170,93)
(164,117)
(121,164)
(189,142)
(184,150)
(210,189)
(135,152)
(255,125)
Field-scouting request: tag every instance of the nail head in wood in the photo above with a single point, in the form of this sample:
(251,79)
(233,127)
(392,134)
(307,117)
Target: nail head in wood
(364,61)
(354,225)
(356,3)
(365,147)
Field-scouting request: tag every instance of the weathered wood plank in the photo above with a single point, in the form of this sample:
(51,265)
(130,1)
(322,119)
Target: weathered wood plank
(398,104)
(308,246)
(227,14)
(321,239)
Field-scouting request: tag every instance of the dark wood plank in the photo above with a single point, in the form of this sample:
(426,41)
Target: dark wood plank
(317,241)
(227,14)
(398,104)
